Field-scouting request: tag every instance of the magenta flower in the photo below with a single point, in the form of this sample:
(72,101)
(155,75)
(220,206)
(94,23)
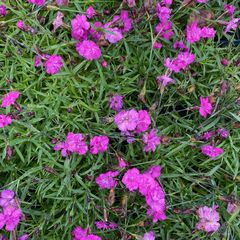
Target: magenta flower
(201,1)
(167,2)
(231,207)
(207,32)
(180,45)
(39,3)
(131,3)
(131,179)
(229,8)
(58,22)
(88,50)
(24,237)
(164,80)
(105,225)
(208,219)
(99,144)
(116,102)
(211,151)
(53,64)
(151,141)
(154,171)
(7,198)
(113,35)
(90,12)
(126,120)
(223,132)
(149,236)
(62,2)
(3,11)
(121,162)
(144,121)
(157,45)
(78,233)
(164,30)
(163,13)
(106,180)
(205,107)
(74,144)
(80,27)
(207,135)
(37,61)
(193,33)
(127,22)
(232,24)
(21,25)
(10,98)
(5,120)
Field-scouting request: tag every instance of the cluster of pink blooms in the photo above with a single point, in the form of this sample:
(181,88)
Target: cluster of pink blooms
(8,100)
(37,2)
(106,180)
(195,33)
(211,151)
(105,225)
(164,27)
(148,186)
(132,122)
(112,31)
(208,219)
(75,143)
(220,132)
(233,23)
(11,214)
(82,234)
(52,63)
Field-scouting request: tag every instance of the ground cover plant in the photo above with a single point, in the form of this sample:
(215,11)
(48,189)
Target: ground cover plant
(119,119)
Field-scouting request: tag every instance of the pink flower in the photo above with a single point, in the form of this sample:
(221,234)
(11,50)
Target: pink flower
(10,98)
(104,63)
(223,132)
(37,61)
(207,135)
(116,102)
(7,198)
(151,141)
(62,2)
(126,120)
(10,217)
(53,64)
(99,144)
(121,162)
(167,2)
(78,233)
(74,144)
(180,45)
(106,180)
(149,236)
(154,171)
(21,25)
(164,30)
(201,1)
(144,121)
(193,33)
(4,120)
(58,21)
(105,225)
(80,27)
(157,45)
(131,3)
(3,11)
(231,207)
(113,35)
(89,50)
(205,107)
(207,32)
(163,13)
(90,12)
(211,151)
(24,237)
(37,2)
(131,179)
(164,80)
(208,219)
(224,62)
(232,24)
(127,22)
(229,8)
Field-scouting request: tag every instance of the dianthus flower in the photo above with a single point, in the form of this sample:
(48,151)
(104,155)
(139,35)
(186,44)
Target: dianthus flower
(131,3)
(105,225)
(127,22)
(3,11)
(164,80)
(80,27)
(180,45)
(223,132)
(163,13)
(121,162)
(157,45)
(90,12)
(211,151)
(143,122)
(207,135)
(207,32)
(201,1)
(10,98)
(74,144)
(58,22)
(232,24)
(151,141)
(81,234)
(37,2)
(106,180)
(164,30)
(37,61)
(5,120)
(99,144)
(149,236)
(229,8)
(88,50)
(24,237)
(21,25)
(113,35)
(131,179)
(154,171)
(205,107)
(193,33)
(231,207)
(7,198)
(62,2)
(53,64)
(126,120)
(208,219)
(116,102)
